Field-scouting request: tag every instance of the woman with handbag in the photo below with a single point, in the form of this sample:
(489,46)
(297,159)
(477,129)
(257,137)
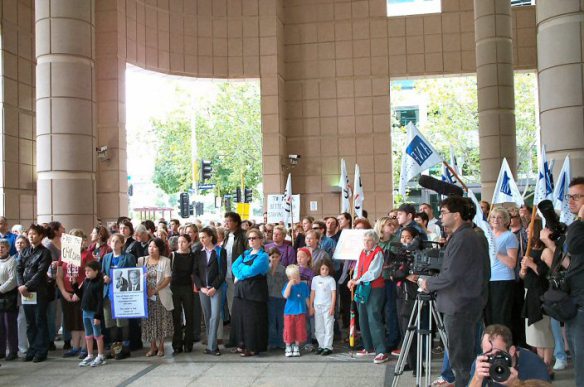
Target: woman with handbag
(370,296)
(159,324)
(8,302)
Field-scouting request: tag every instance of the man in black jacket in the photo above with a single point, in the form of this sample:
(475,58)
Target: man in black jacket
(575,246)
(234,244)
(461,285)
(33,281)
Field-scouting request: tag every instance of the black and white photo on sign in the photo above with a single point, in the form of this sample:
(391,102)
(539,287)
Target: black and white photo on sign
(128,293)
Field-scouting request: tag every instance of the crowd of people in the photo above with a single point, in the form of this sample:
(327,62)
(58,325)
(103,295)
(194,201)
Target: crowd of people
(259,287)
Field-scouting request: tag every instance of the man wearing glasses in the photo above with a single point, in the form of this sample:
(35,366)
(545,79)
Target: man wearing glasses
(461,287)
(575,281)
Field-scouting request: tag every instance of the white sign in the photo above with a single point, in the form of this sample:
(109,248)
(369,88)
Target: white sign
(71,249)
(276,208)
(128,293)
(350,245)
(314,206)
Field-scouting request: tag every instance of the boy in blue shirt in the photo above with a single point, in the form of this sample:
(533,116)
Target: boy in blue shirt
(297,295)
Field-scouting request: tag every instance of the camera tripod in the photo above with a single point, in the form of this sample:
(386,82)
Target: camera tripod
(424,336)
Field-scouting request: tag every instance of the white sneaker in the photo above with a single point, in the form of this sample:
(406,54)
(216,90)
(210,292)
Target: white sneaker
(288,352)
(99,360)
(560,365)
(85,362)
(295,351)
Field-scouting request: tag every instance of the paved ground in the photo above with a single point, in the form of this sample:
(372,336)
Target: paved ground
(196,369)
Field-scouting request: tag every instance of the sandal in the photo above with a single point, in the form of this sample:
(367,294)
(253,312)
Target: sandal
(247,354)
(151,353)
(237,350)
(160,353)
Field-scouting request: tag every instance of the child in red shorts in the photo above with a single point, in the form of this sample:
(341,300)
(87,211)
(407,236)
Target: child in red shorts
(297,295)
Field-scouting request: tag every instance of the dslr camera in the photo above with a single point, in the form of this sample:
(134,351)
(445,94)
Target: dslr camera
(501,363)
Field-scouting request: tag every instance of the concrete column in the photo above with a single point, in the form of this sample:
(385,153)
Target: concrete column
(496,96)
(65,53)
(560,66)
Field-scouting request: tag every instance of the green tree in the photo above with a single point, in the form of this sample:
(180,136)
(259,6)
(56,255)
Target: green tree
(229,134)
(172,168)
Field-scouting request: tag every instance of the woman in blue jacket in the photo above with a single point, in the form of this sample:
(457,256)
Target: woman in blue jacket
(250,302)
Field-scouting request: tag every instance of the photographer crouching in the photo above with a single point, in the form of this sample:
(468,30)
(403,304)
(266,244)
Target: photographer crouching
(575,276)
(461,286)
(502,364)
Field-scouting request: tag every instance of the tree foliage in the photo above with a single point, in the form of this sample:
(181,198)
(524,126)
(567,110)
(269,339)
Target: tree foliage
(228,132)
(172,168)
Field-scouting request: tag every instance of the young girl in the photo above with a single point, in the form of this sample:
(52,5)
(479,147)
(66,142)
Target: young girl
(276,302)
(91,294)
(296,293)
(323,297)
(304,259)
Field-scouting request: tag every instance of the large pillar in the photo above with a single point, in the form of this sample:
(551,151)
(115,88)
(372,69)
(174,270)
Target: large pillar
(560,67)
(65,53)
(496,104)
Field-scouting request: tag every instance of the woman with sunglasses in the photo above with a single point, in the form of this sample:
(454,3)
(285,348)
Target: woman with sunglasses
(250,302)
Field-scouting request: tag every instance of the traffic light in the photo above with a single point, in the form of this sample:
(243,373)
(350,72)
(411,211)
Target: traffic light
(238,195)
(227,200)
(199,208)
(184,205)
(206,170)
(192,208)
(248,195)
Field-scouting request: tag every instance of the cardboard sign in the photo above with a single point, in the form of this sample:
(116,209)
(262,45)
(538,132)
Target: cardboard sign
(350,245)
(71,249)
(276,212)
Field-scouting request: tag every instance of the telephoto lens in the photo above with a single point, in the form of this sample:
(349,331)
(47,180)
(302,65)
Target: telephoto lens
(500,369)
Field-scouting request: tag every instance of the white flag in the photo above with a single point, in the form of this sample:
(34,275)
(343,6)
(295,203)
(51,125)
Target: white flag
(559,195)
(544,187)
(418,155)
(506,190)
(484,225)
(345,188)
(359,197)
(287,198)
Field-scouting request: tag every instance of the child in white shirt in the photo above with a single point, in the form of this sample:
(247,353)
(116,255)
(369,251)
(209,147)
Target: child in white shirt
(322,305)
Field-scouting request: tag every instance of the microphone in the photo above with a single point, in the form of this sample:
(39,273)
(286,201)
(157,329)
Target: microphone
(439,186)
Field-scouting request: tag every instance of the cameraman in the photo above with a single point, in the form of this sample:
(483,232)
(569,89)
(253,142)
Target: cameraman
(575,281)
(525,365)
(461,285)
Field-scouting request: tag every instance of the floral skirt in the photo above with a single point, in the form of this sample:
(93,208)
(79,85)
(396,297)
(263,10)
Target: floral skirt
(159,324)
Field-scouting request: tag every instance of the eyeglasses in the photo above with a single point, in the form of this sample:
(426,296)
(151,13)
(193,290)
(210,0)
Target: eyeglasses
(253,238)
(574,197)
(445,212)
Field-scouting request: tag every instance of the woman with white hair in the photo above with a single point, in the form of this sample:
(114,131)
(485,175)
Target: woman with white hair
(370,296)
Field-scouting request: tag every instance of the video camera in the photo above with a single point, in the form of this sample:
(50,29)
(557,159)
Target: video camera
(552,220)
(418,257)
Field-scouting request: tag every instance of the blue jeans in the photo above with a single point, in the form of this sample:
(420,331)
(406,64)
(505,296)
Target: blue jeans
(575,334)
(371,321)
(559,351)
(276,322)
(91,330)
(392,337)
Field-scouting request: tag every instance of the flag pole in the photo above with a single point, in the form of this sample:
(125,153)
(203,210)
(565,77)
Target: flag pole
(529,238)
(455,175)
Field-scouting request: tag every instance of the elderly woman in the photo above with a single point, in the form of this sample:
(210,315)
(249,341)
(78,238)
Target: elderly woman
(250,303)
(287,252)
(8,302)
(158,273)
(499,306)
(367,277)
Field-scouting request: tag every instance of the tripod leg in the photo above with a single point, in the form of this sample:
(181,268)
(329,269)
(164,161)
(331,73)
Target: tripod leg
(441,330)
(420,345)
(428,374)
(401,361)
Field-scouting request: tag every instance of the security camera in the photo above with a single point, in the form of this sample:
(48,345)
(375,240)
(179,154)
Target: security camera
(293,159)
